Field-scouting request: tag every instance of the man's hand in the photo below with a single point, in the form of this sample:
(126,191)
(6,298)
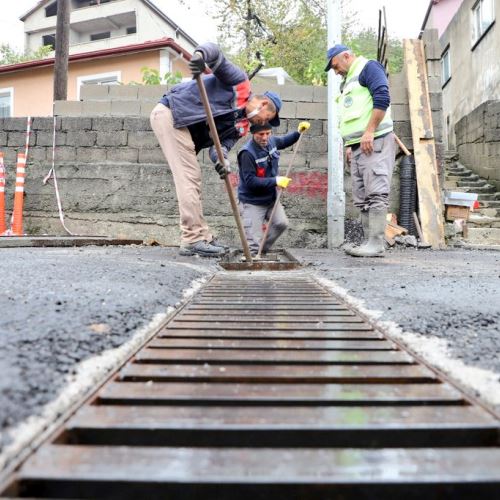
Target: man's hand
(197,64)
(367,143)
(221,169)
(283,182)
(303,126)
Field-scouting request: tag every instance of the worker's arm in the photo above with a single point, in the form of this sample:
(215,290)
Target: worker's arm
(373,77)
(224,70)
(248,173)
(284,141)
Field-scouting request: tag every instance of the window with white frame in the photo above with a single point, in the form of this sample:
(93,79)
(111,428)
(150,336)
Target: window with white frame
(445,67)
(6,102)
(112,78)
(483,16)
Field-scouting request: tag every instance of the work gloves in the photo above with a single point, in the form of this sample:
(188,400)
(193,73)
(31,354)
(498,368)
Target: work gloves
(197,64)
(303,126)
(283,182)
(222,169)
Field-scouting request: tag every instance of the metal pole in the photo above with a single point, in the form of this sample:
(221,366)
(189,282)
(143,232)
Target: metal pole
(336,195)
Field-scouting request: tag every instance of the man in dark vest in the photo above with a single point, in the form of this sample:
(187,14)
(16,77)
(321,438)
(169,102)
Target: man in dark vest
(258,162)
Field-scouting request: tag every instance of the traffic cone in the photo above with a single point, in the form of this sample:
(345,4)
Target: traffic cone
(3,226)
(17,218)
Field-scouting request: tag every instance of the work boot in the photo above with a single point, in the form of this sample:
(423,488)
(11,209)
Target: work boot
(364,223)
(374,247)
(202,248)
(216,243)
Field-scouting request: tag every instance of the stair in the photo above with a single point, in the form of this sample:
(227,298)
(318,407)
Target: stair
(484,223)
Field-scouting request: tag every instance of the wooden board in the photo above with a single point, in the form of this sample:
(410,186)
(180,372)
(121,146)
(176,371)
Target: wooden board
(429,189)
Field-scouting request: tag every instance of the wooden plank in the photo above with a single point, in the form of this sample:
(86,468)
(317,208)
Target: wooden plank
(284,394)
(249,473)
(243,314)
(278,374)
(271,344)
(429,190)
(262,356)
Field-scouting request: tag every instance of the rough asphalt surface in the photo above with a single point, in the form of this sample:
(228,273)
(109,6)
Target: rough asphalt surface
(50,298)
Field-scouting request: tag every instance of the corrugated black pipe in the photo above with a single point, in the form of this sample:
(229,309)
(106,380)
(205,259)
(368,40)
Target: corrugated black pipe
(407,194)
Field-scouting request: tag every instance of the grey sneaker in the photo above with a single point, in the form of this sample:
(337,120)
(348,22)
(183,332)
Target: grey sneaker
(202,248)
(216,243)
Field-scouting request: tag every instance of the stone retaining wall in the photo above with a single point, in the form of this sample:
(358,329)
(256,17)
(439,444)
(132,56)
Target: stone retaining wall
(114,181)
(478,141)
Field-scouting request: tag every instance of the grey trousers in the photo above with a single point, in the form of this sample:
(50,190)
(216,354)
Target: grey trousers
(371,174)
(254,216)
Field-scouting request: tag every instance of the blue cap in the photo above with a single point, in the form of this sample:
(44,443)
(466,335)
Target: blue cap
(334,51)
(275,122)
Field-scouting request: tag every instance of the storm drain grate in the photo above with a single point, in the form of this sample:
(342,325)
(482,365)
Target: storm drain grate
(265,385)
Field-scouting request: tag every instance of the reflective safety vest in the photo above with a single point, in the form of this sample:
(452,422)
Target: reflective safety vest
(356,106)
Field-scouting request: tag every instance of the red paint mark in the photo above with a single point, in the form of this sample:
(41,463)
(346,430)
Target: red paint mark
(309,184)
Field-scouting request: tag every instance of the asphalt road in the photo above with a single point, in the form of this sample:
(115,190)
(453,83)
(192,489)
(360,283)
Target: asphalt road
(61,306)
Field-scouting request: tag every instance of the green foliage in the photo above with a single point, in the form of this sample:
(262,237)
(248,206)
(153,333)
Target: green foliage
(9,56)
(151,76)
(291,34)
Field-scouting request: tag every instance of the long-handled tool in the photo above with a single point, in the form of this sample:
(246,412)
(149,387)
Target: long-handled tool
(278,196)
(220,156)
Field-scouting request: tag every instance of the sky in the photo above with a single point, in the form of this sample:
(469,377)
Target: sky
(404,17)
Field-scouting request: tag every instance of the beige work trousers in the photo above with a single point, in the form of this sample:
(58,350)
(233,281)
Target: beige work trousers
(178,148)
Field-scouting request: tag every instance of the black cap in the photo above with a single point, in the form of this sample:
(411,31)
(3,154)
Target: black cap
(259,128)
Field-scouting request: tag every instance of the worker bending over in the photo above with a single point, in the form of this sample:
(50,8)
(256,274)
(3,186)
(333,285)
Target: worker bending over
(258,162)
(179,122)
(367,129)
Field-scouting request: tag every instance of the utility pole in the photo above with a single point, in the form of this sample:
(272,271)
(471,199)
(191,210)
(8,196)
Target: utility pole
(336,195)
(62,51)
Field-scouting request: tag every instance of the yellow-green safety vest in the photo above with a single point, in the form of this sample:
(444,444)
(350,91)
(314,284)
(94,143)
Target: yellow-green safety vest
(356,106)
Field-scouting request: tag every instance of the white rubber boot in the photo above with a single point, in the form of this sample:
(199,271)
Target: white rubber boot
(374,247)
(365,223)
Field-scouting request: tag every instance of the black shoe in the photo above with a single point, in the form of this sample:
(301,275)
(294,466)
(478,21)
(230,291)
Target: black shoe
(202,248)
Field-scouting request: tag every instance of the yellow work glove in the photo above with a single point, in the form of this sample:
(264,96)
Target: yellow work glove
(303,126)
(283,182)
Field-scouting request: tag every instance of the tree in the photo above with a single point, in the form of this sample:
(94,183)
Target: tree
(8,55)
(291,34)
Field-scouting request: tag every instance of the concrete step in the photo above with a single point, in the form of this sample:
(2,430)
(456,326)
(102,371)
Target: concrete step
(486,189)
(488,211)
(490,204)
(472,178)
(458,173)
(479,220)
(488,197)
(483,236)
(472,184)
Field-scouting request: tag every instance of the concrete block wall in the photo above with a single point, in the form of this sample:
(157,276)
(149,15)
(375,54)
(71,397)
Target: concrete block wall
(478,141)
(114,181)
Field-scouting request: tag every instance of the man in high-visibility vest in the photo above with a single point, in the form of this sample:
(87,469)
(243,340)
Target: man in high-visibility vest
(367,130)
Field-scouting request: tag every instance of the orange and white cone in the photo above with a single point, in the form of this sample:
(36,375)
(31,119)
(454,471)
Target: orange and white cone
(17,217)
(3,226)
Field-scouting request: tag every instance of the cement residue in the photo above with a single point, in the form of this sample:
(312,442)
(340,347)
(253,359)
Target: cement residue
(484,384)
(62,307)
